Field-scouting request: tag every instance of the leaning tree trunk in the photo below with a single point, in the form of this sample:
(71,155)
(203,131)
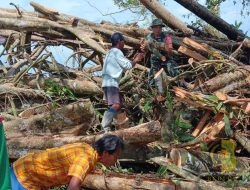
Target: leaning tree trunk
(156,8)
(210,18)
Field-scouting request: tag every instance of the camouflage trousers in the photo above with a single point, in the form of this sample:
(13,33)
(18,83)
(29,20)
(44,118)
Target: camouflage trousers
(170,69)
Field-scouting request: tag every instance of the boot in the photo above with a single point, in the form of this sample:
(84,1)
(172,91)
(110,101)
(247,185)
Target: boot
(107,120)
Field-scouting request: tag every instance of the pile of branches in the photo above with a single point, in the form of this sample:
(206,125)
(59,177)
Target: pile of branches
(47,103)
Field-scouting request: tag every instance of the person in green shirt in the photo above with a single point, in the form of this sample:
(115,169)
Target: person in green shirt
(5,183)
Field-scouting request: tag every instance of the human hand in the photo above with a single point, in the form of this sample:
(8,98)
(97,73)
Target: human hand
(143,46)
(138,57)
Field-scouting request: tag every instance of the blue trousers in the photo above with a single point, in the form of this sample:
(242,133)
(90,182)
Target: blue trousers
(14,182)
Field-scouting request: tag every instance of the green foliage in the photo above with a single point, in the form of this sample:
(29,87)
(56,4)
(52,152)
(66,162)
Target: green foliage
(127,3)
(133,5)
(228,129)
(54,89)
(241,182)
(181,129)
(147,106)
(237,24)
(204,147)
(162,171)
(169,101)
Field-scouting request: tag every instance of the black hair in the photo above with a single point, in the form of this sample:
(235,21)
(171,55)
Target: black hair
(116,37)
(109,143)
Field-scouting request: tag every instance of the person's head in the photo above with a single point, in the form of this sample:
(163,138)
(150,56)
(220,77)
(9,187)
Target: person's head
(117,40)
(109,148)
(157,26)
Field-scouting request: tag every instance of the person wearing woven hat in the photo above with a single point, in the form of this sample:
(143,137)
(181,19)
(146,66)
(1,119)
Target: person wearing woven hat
(160,59)
(115,63)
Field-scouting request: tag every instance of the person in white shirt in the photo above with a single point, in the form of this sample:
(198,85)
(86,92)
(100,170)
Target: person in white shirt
(115,64)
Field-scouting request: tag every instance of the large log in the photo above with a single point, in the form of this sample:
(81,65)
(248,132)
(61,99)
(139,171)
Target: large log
(224,79)
(235,85)
(212,19)
(8,88)
(53,14)
(157,9)
(78,86)
(21,145)
(11,21)
(54,122)
(113,181)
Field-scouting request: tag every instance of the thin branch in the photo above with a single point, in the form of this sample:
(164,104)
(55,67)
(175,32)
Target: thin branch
(17,8)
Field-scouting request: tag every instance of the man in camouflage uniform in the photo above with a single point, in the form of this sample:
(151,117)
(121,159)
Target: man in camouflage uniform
(160,59)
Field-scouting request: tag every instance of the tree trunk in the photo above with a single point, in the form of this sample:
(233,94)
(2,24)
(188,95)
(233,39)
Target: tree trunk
(210,18)
(78,87)
(235,85)
(157,9)
(224,79)
(126,182)
(8,88)
(21,145)
(53,122)
(10,21)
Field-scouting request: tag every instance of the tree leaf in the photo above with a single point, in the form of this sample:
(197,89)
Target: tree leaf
(228,129)
(184,125)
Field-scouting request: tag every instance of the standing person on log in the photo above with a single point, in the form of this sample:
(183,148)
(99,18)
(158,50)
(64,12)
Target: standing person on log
(160,59)
(115,64)
(65,165)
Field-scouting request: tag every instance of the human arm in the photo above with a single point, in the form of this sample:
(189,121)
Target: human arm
(125,63)
(169,45)
(78,171)
(74,184)
(149,44)
(138,58)
(160,49)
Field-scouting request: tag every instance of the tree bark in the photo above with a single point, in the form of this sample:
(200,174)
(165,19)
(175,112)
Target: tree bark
(210,18)
(8,88)
(21,145)
(157,9)
(10,21)
(79,87)
(224,79)
(53,122)
(126,182)
(235,85)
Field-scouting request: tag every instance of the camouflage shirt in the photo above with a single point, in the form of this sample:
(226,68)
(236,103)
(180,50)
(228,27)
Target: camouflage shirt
(156,54)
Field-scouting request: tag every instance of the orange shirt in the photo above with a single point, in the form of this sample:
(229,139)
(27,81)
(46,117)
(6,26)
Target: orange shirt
(56,166)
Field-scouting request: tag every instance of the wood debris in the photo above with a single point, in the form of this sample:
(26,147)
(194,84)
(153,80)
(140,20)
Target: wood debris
(206,115)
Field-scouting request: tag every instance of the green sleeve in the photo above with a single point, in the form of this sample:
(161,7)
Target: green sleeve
(5,183)
(152,49)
